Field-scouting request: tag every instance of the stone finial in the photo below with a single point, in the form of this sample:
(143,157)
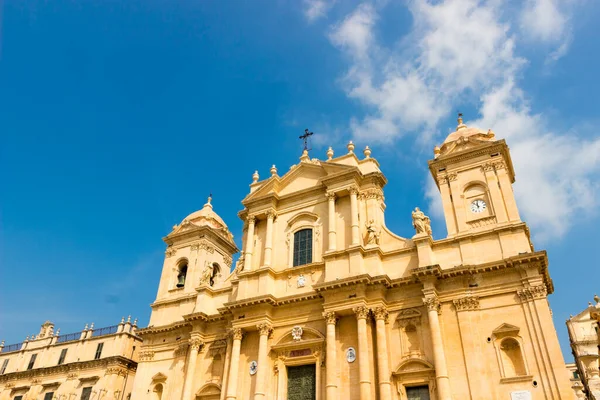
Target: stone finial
(436,151)
(122,320)
(304,157)
(273,170)
(86,327)
(596,299)
(491,134)
(92,327)
(461,125)
(209,200)
(367,152)
(135,322)
(57,332)
(2,343)
(329,153)
(129,319)
(255,177)
(350,147)
(27,338)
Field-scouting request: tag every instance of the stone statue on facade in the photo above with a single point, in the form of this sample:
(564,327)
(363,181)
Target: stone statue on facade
(207,274)
(372,233)
(421,222)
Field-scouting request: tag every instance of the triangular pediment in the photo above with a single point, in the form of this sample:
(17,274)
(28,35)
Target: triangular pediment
(506,329)
(414,365)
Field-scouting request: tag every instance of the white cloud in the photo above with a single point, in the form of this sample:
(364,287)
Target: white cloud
(315,9)
(460,52)
(547,21)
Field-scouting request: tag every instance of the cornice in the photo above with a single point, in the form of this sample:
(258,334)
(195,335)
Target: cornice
(115,361)
(199,232)
(163,328)
(159,303)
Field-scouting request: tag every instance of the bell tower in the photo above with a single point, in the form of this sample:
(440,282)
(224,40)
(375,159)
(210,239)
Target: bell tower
(474,174)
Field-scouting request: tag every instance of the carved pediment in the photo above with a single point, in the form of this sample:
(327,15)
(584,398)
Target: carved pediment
(414,366)
(160,377)
(506,330)
(209,390)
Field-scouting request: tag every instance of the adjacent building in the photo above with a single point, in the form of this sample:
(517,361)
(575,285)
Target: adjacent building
(93,364)
(583,335)
(326,302)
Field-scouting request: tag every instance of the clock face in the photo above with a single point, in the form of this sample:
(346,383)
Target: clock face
(478,206)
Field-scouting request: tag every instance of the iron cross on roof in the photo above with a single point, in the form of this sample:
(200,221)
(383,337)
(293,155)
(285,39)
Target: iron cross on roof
(305,138)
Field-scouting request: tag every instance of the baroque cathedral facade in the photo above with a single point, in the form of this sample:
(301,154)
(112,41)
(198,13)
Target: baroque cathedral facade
(327,303)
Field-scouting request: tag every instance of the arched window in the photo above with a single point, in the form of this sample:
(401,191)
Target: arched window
(182,274)
(158,391)
(216,271)
(512,358)
(303,247)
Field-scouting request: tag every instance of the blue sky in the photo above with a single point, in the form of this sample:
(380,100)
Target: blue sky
(119,118)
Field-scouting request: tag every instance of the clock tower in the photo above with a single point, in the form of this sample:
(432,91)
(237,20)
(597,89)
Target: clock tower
(474,174)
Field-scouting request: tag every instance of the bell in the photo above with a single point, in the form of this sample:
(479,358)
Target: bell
(180,280)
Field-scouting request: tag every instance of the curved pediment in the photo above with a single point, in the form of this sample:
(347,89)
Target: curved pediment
(414,366)
(209,389)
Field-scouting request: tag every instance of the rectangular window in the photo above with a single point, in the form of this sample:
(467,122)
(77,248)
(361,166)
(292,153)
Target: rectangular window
(4,365)
(86,393)
(18,398)
(63,354)
(303,247)
(99,351)
(32,361)
(48,396)
(417,393)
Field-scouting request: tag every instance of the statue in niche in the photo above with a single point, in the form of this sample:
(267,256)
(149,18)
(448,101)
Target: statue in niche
(421,222)
(372,233)
(207,274)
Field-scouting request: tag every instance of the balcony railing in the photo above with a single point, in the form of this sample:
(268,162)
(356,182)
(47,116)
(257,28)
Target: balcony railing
(12,347)
(109,330)
(69,337)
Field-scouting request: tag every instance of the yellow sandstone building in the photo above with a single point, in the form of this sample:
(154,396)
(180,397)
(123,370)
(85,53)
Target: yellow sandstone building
(326,302)
(93,364)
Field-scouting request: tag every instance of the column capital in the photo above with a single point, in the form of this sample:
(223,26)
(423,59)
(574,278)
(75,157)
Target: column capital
(466,303)
(330,317)
(265,329)
(330,195)
(381,313)
(271,214)
(361,312)
(432,303)
(196,344)
(251,219)
(236,333)
(353,190)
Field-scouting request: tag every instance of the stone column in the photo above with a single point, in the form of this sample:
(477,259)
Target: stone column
(269,239)
(439,357)
(264,331)
(506,186)
(235,362)
(364,374)
(447,204)
(249,244)
(332,221)
(383,366)
(330,360)
(225,377)
(354,216)
(195,345)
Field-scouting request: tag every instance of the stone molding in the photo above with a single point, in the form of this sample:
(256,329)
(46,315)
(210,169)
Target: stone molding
(181,350)
(467,303)
(330,195)
(533,292)
(146,355)
(196,343)
(410,316)
(71,369)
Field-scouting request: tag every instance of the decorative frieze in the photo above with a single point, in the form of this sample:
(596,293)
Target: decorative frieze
(146,355)
(205,245)
(533,292)
(227,260)
(373,193)
(170,252)
(467,303)
(482,222)
(408,316)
